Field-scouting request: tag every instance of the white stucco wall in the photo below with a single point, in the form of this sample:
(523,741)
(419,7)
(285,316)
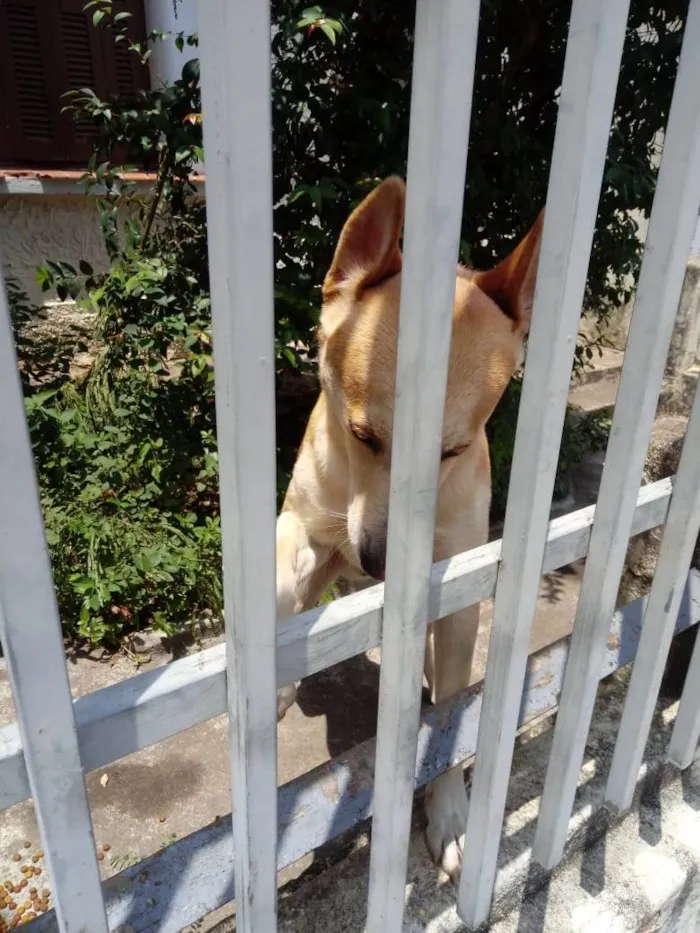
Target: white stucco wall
(34,228)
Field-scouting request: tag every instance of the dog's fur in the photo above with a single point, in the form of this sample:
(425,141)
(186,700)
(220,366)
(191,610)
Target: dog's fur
(334,519)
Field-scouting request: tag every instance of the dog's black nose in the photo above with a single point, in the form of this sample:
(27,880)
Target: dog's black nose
(373,557)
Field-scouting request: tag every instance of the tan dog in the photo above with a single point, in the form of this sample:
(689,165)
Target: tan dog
(334,519)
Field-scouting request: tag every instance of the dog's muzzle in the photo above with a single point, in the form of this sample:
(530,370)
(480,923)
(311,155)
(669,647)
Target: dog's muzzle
(373,557)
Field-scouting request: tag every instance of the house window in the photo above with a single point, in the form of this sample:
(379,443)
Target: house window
(48,47)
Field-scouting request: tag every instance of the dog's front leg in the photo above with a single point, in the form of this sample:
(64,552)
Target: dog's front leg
(304,570)
(448,667)
(449,653)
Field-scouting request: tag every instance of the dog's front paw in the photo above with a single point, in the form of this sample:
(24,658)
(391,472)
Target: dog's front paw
(446,806)
(285,698)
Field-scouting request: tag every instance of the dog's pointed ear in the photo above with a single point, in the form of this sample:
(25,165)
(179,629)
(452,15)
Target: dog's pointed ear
(511,284)
(368,249)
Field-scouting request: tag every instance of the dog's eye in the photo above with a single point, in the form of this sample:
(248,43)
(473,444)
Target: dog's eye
(453,452)
(366,438)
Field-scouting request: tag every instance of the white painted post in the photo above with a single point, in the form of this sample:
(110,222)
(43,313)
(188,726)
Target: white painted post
(591,69)
(165,64)
(30,631)
(235,61)
(680,535)
(443,76)
(686,729)
(671,227)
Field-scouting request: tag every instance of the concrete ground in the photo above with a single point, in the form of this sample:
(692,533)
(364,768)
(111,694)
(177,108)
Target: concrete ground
(640,875)
(146,800)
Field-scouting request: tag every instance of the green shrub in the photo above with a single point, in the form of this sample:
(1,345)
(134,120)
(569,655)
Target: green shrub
(127,456)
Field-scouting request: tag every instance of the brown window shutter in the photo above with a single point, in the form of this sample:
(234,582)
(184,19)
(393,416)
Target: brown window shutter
(81,53)
(124,73)
(32,129)
(47,48)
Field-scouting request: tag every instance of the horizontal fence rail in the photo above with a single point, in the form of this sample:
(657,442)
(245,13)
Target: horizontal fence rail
(671,226)
(192,876)
(593,54)
(150,707)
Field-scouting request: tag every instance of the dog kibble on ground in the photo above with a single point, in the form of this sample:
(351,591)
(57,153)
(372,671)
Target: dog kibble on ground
(19,903)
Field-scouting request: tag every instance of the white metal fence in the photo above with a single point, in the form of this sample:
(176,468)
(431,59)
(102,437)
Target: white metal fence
(55,740)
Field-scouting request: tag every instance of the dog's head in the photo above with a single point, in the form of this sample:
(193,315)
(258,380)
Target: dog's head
(359,331)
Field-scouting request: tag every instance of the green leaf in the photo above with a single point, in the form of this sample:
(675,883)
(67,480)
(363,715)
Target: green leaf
(198,365)
(142,562)
(190,71)
(43,278)
(329,31)
(97,17)
(85,267)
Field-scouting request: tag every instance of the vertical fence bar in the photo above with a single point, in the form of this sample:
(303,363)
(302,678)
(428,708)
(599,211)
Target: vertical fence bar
(443,76)
(672,223)
(591,68)
(30,631)
(686,729)
(680,535)
(235,61)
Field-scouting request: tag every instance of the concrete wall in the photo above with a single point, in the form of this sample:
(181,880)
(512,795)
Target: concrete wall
(37,227)
(684,352)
